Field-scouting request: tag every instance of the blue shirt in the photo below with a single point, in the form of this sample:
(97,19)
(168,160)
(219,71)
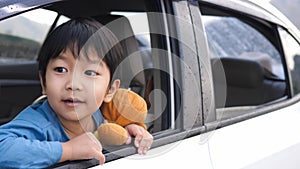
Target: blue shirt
(33,139)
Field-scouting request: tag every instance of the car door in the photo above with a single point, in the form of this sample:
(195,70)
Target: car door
(256,124)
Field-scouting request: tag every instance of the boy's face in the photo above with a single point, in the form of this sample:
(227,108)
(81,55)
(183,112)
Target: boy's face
(76,88)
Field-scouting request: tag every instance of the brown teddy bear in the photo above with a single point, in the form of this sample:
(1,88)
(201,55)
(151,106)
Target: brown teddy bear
(125,108)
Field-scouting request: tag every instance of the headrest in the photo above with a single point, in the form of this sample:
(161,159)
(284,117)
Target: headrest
(118,24)
(239,72)
(263,59)
(121,27)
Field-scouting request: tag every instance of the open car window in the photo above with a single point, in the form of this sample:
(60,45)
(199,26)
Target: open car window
(147,67)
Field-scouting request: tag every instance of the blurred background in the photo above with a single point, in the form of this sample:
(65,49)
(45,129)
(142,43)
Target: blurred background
(291,8)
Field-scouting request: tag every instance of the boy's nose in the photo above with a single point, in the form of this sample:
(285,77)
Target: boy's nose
(74,82)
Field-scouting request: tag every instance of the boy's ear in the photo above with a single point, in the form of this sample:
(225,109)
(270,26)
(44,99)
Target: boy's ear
(112,90)
(42,83)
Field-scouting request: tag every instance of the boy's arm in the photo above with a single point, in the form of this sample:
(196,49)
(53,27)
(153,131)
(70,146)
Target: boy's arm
(23,144)
(19,152)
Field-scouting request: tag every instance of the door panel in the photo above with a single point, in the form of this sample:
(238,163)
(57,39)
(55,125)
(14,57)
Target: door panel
(19,87)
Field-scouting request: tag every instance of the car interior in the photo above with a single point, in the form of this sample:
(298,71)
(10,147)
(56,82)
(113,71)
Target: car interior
(246,82)
(17,81)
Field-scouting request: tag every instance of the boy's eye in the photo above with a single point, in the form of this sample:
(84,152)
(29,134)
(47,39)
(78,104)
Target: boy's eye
(61,69)
(91,73)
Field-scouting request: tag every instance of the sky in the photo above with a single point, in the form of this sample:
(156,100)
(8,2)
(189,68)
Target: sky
(35,15)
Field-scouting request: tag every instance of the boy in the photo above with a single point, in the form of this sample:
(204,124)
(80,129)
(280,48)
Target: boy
(76,66)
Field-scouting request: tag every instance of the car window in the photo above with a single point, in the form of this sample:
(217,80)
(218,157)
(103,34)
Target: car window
(247,67)
(21,36)
(232,38)
(292,52)
(143,71)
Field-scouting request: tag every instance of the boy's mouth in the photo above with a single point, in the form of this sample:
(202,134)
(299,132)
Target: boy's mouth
(72,102)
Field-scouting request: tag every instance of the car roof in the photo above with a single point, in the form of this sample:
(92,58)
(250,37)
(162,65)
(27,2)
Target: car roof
(76,8)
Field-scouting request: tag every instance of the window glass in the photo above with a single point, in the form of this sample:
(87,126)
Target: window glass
(249,63)
(21,36)
(292,52)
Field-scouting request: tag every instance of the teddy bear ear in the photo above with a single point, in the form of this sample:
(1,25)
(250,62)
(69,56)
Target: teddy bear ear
(131,107)
(125,108)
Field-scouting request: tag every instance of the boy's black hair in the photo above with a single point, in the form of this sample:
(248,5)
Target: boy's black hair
(78,35)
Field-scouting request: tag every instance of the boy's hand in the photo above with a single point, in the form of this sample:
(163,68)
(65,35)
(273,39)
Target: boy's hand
(143,139)
(85,146)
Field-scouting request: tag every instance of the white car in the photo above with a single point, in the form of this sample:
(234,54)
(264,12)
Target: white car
(221,77)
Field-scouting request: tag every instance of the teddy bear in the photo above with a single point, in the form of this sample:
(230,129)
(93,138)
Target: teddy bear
(126,107)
